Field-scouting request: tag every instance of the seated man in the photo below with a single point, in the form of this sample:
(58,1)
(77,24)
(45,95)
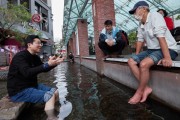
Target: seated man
(22,84)
(161,48)
(111,39)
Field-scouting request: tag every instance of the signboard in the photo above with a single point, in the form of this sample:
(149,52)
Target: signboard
(36,18)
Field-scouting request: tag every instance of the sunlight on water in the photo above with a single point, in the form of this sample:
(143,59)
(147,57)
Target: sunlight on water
(84,95)
(61,83)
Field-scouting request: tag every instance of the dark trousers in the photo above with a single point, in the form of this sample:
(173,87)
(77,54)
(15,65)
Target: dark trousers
(107,50)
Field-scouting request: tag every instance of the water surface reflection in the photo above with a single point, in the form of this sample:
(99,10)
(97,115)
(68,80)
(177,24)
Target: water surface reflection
(61,83)
(86,96)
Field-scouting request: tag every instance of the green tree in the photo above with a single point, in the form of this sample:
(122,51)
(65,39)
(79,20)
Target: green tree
(132,38)
(19,36)
(178,17)
(59,45)
(31,30)
(10,16)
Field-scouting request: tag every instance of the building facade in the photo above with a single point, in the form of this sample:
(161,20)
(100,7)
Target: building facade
(44,27)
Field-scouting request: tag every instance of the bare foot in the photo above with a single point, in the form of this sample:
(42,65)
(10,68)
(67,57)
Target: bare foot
(146,93)
(135,99)
(52,118)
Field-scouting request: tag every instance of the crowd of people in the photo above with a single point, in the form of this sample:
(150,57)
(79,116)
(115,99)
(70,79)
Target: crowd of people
(154,30)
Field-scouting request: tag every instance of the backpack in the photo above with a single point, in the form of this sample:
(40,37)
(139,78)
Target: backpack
(176,33)
(124,36)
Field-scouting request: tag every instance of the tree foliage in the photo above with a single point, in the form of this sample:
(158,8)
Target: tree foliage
(10,16)
(178,17)
(59,45)
(132,37)
(31,31)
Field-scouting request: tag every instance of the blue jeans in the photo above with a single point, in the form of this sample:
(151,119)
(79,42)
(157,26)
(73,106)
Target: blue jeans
(40,94)
(154,54)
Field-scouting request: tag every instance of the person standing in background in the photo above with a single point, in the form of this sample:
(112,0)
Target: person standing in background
(168,20)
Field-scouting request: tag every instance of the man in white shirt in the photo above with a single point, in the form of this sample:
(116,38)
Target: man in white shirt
(161,48)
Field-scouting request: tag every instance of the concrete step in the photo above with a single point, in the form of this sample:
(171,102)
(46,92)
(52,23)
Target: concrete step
(4,72)
(10,110)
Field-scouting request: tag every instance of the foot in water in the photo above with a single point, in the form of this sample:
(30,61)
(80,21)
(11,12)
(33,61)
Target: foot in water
(146,93)
(135,99)
(54,118)
(51,115)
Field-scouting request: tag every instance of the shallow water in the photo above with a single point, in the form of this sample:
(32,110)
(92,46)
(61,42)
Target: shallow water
(84,95)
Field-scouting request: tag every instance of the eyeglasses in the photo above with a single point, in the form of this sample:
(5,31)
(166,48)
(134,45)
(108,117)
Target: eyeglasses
(38,43)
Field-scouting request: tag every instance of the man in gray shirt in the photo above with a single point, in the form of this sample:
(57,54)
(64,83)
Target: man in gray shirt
(161,48)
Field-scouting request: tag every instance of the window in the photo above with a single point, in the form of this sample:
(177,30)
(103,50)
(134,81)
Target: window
(44,14)
(27,4)
(12,1)
(45,1)
(37,8)
(43,25)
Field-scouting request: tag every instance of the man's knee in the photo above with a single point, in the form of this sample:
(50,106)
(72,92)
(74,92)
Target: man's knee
(99,44)
(144,65)
(122,43)
(131,62)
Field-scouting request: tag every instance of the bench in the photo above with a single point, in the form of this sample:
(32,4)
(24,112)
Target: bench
(10,110)
(165,82)
(175,63)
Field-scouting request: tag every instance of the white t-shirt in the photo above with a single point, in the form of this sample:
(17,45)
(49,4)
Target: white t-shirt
(155,27)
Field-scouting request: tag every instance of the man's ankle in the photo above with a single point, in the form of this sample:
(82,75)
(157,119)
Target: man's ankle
(51,114)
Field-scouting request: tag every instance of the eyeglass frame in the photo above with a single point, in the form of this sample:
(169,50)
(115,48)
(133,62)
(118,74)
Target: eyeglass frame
(39,43)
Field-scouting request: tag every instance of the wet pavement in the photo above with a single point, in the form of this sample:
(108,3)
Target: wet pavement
(84,95)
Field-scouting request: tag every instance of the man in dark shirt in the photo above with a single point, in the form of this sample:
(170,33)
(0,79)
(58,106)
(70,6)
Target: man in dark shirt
(22,82)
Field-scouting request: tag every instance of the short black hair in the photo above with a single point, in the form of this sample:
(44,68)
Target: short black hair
(164,11)
(108,22)
(30,39)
